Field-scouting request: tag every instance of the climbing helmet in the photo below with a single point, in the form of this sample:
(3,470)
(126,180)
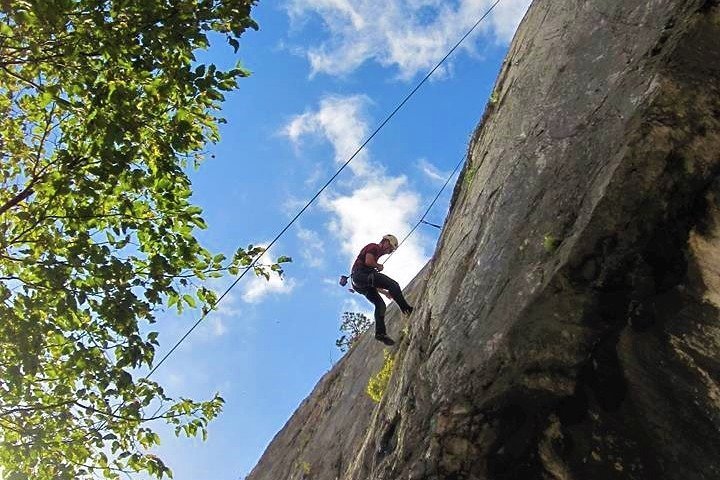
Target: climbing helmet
(392,240)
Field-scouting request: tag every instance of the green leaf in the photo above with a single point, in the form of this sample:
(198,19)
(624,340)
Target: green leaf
(189,300)
(234,43)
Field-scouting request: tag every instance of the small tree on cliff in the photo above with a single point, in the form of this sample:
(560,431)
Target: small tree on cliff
(353,325)
(102,110)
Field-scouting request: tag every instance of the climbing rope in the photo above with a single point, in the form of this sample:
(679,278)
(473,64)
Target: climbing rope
(431,224)
(312,200)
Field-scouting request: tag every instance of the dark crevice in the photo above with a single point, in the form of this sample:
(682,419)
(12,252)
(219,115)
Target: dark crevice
(514,453)
(388,440)
(601,378)
(573,409)
(641,315)
(604,374)
(708,5)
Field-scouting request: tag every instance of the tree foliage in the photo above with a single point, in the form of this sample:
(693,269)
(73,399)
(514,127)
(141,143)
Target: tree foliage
(103,108)
(353,325)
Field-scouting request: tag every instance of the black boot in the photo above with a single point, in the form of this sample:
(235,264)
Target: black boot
(383,337)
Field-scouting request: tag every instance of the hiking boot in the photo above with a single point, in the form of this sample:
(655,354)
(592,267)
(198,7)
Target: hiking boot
(383,337)
(408,310)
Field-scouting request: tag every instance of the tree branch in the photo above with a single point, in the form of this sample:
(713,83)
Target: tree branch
(22,79)
(139,419)
(27,191)
(26,409)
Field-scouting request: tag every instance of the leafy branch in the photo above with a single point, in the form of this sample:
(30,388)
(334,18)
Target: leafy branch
(103,107)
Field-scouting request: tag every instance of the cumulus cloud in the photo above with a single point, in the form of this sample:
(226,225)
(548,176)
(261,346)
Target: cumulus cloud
(410,35)
(257,288)
(339,121)
(372,203)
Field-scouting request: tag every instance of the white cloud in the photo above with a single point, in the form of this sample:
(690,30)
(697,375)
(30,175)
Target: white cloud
(218,326)
(312,247)
(316,175)
(372,203)
(431,171)
(411,35)
(339,120)
(175,381)
(257,288)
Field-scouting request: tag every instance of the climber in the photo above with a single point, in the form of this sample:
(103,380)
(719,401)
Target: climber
(367,280)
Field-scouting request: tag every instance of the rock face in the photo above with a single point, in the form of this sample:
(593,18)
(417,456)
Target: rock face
(567,326)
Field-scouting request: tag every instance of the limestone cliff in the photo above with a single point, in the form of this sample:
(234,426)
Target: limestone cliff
(567,326)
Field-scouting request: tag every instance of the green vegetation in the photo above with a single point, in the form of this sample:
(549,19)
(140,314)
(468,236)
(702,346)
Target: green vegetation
(550,243)
(494,97)
(378,383)
(354,325)
(102,110)
(469,177)
(304,468)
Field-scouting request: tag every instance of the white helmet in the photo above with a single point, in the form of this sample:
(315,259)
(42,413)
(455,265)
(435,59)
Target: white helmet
(392,240)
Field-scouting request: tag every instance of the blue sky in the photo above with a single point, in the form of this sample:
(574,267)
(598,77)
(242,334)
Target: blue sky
(325,74)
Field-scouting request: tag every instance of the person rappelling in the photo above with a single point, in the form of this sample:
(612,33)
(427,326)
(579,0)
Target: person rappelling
(368,281)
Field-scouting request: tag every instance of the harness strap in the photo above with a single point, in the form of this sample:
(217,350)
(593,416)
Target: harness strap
(360,287)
